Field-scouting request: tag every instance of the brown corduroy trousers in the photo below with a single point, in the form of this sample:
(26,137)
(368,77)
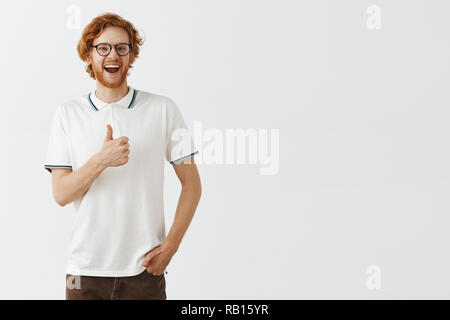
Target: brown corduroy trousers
(144,286)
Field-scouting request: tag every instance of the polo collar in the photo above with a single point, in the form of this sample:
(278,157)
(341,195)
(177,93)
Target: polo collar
(127,101)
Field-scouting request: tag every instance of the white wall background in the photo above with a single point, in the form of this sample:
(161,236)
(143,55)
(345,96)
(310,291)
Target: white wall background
(364,160)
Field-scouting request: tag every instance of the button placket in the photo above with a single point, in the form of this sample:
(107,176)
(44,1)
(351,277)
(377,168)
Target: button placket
(114,123)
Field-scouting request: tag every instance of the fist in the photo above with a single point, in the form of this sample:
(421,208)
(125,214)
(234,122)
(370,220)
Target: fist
(114,152)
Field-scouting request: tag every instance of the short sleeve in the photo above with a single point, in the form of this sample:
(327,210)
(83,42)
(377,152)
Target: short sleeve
(58,151)
(179,142)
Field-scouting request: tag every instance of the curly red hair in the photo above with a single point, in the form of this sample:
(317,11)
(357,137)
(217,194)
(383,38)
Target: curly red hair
(95,28)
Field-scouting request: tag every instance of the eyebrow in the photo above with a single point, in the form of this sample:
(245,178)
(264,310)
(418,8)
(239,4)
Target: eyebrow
(110,43)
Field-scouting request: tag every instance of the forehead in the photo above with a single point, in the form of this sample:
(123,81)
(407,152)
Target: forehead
(112,35)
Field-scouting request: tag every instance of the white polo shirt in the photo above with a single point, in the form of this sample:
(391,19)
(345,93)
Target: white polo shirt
(121,216)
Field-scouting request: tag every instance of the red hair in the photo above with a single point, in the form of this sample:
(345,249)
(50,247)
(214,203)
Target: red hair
(95,28)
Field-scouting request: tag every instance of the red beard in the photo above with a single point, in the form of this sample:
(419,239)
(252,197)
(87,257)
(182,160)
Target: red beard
(117,82)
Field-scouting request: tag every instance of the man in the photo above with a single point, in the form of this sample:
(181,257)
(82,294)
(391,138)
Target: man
(106,154)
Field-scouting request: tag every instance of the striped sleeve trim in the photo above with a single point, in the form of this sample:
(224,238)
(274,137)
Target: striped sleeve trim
(185,157)
(49,167)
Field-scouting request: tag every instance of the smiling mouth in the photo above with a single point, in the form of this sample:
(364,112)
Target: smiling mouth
(112,69)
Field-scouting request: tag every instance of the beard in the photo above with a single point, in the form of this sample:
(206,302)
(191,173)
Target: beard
(117,82)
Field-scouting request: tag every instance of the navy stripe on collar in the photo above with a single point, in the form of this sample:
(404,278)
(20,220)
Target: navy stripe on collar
(132,100)
(91,103)
(129,107)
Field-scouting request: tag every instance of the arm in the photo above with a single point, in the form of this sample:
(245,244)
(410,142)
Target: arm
(159,257)
(187,203)
(70,185)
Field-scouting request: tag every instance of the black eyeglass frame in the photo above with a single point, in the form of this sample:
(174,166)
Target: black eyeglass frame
(115,47)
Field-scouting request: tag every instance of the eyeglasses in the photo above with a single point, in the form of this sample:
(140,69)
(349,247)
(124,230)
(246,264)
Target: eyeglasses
(104,49)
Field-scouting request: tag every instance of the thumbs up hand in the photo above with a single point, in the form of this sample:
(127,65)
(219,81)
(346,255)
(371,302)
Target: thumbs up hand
(109,133)
(114,152)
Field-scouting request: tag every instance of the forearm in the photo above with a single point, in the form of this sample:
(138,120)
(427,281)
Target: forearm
(76,183)
(187,204)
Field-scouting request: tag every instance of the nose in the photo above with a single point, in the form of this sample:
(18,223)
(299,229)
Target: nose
(113,53)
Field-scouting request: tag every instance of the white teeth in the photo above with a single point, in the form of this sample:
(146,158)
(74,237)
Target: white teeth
(112,66)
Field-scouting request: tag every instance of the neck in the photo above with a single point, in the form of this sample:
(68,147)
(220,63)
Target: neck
(110,95)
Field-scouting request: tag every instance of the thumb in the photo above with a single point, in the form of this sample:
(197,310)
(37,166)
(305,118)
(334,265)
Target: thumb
(109,132)
(148,258)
